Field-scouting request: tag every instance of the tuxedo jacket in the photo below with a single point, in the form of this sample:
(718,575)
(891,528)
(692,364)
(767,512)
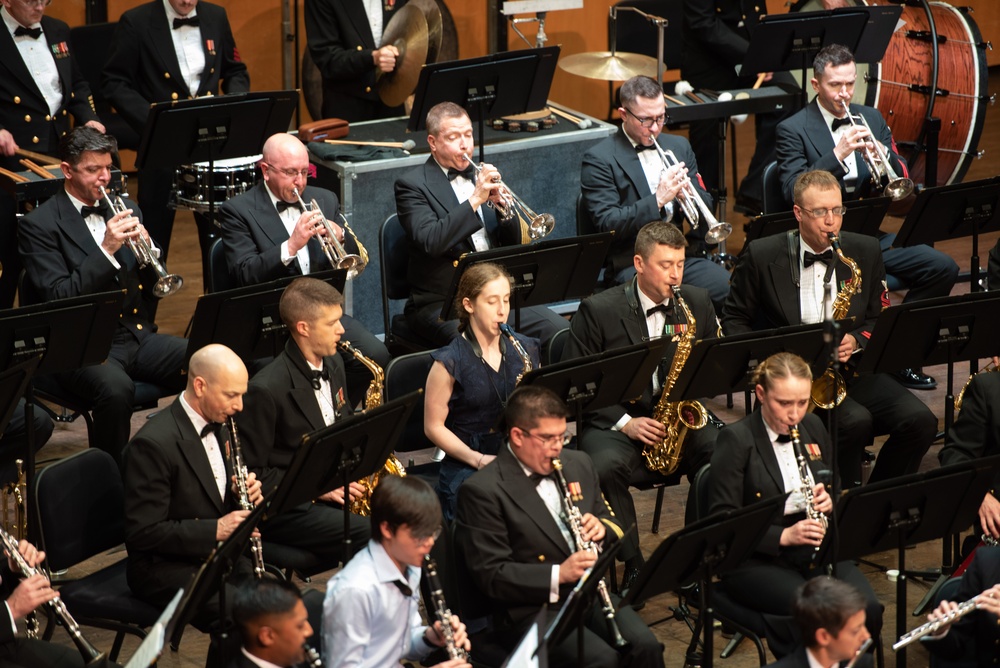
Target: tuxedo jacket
(717,34)
(280,408)
(142,68)
(979,629)
(764,288)
(253,232)
(172,502)
(509,536)
(23,110)
(439,230)
(804,143)
(614,319)
(745,470)
(976,431)
(616,194)
(62,260)
(340,42)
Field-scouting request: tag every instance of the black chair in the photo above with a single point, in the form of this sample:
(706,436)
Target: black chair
(405,374)
(219,279)
(393,249)
(554,351)
(774,196)
(79,505)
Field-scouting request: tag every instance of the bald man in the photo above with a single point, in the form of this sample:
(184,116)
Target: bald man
(179,492)
(267,236)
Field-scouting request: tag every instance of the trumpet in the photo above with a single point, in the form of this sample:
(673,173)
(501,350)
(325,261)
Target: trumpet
(693,206)
(534,226)
(877,159)
(334,250)
(166,284)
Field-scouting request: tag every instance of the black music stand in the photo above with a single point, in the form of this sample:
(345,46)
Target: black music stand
(211,579)
(952,212)
(500,84)
(894,513)
(350,449)
(605,379)
(13,382)
(546,271)
(67,334)
(863,216)
(700,551)
(246,319)
(207,129)
(151,647)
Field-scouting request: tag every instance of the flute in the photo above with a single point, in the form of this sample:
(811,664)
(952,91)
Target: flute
(930,627)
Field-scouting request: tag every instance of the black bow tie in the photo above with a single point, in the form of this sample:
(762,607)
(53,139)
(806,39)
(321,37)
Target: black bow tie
(33,33)
(826,257)
(784,438)
(100,209)
(282,206)
(211,428)
(403,587)
(837,122)
(539,477)
(316,376)
(468,173)
(639,148)
(666,310)
(193,22)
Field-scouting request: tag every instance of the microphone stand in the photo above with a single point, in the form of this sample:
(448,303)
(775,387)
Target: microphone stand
(831,337)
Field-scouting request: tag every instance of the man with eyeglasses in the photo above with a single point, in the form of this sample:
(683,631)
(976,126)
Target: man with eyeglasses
(514,534)
(268,236)
(40,88)
(371,613)
(626,185)
(821,136)
(794,278)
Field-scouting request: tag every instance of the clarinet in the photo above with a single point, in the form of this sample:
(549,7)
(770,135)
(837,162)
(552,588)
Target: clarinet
(442,612)
(506,330)
(90,653)
(805,473)
(575,521)
(313,659)
(240,472)
(930,627)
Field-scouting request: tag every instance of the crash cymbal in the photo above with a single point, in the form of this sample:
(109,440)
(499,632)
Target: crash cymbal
(432,12)
(609,67)
(407,31)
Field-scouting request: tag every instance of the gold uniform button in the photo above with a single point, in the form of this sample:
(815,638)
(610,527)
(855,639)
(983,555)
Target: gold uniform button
(27,118)
(541,558)
(212,71)
(757,495)
(134,311)
(359,47)
(34,140)
(17,100)
(166,75)
(173,96)
(64,112)
(72,95)
(47,117)
(138,326)
(140,286)
(368,89)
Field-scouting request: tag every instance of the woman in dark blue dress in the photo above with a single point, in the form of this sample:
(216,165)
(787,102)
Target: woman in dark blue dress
(468,385)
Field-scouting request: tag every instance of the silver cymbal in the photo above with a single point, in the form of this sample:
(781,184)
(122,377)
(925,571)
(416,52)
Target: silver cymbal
(609,66)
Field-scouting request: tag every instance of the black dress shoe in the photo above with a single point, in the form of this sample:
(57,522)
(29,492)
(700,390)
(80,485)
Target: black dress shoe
(913,379)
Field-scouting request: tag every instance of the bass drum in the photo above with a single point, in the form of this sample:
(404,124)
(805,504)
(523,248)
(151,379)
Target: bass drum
(899,86)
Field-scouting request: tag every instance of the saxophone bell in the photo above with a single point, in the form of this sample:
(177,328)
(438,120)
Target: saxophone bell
(830,389)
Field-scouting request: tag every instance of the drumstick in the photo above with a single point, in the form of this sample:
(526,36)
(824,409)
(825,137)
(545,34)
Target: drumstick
(407,145)
(36,169)
(582,123)
(14,176)
(760,80)
(694,98)
(44,159)
(674,100)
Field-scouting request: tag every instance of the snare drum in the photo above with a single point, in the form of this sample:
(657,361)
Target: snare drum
(230,178)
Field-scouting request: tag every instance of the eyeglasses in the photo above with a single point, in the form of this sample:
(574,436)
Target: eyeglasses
(563,438)
(36,3)
(425,538)
(821,213)
(290,173)
(647,122)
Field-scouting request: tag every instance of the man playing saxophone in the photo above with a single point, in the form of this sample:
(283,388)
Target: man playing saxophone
(643,308)
(301,391)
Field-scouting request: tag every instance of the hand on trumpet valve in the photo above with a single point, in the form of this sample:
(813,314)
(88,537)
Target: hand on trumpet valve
(29,594)
(672,183)
(803,532)
(119,229)
(488,186)
(854,138)
(385,58)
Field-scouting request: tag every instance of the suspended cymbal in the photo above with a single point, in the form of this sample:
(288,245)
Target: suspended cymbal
(407,31)
(432,12)
(609,67)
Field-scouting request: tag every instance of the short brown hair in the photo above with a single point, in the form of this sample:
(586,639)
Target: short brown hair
(405,500)
(441,111)
(831,55)
(303,296)
(658,232)
(639,86)
(818,178)
(473,280)
(530,403)
(825,603)
(780,365)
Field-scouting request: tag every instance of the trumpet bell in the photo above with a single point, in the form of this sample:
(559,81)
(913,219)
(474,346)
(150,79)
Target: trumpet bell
(168,285)
(353,264)
(541,225)
(899,189)
(717,233)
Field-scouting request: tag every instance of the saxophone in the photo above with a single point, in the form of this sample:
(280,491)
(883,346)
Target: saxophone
(822,393)
(678,416)
(373,397)
(506,330)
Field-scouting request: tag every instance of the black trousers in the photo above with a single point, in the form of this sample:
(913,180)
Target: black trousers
(318,528)
(26,653)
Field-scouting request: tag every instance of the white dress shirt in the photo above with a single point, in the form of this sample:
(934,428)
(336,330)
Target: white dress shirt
(373,9)
(652,167)
(811,295)
(188,47)
(787,462)
(213,449)
(289,217)
(323,397)
(463,189)
(850,163)
(97,226)
(37,57)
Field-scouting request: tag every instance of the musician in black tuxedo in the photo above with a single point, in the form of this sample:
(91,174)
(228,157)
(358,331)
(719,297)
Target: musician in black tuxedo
(74,245)
(521,554)
(625,315)
(773,286)
(831,623)
(625,186)
(979,630)
(40,87)
(163,51)
(301,391)
(822,137)
(442,206)
(756,459)
(267,236)
(345,42)
(179,500)
(273,624)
